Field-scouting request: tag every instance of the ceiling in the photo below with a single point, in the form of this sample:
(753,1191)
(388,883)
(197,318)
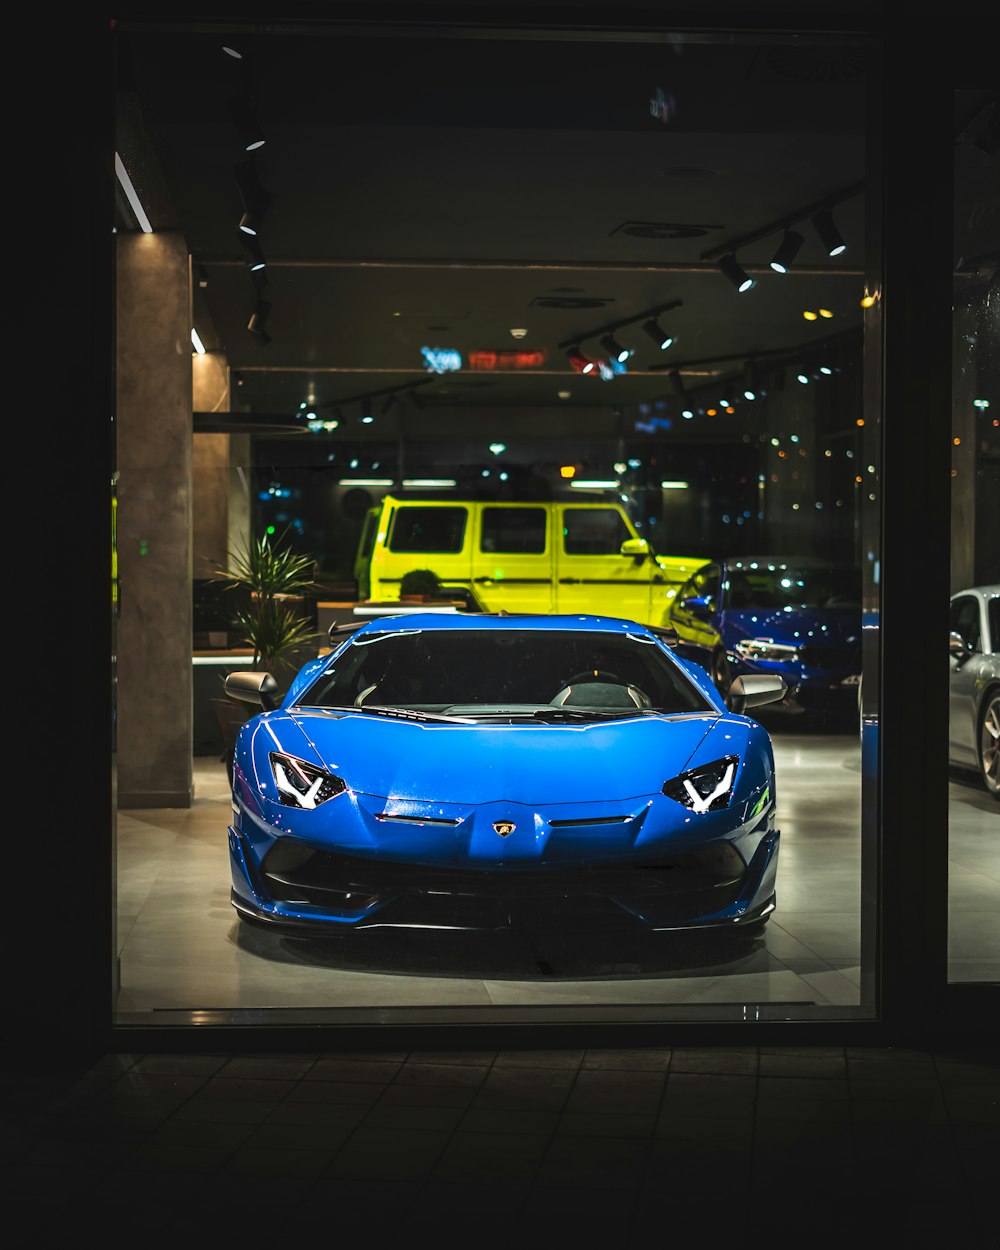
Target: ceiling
(432,189)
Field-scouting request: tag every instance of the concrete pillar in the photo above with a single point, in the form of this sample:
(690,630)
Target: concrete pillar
(153,381)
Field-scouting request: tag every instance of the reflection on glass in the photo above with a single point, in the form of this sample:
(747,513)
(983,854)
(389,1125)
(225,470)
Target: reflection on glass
(973,659)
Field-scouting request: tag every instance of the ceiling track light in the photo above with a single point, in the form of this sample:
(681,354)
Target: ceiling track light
(657,334)
(246,123)
(735,272)
(580,362)
(258,321)
(677,382)
(615,349)
(788,249)
(252,252)
(828,233)
(250,224)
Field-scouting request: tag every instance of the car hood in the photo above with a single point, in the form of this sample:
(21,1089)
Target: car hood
(481,763)
(817,626)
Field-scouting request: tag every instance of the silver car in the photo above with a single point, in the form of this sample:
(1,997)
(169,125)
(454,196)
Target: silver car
(974,713)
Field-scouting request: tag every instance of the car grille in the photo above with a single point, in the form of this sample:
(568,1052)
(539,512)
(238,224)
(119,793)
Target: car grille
(299,875)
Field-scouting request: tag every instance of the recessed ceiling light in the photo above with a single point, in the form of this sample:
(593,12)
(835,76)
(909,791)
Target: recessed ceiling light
(564,394)
(518,332)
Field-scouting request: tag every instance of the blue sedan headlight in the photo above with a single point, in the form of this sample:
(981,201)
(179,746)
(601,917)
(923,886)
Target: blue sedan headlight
(706,788)
(301,784)
(765,649)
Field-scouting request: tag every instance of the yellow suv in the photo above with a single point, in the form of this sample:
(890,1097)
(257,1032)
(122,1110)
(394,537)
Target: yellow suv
(522,557)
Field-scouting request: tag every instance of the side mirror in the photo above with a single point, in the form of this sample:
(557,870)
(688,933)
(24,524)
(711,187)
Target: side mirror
(636,547)
(753,689)
(698,605)
(259,688)
(957,648)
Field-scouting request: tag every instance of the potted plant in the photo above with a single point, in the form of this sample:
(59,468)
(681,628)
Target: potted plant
(418,585)
(272,578)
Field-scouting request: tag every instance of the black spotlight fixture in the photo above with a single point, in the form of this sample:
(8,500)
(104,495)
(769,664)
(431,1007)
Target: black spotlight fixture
(252,252)
(677,382)
(580,362)
(659,336)
(735,272)
(247,126)
(615,349)
(751,387)
(250,223)
(828,233)
(787,251)
(257,325)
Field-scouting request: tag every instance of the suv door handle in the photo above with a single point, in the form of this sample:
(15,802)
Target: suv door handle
(569,581)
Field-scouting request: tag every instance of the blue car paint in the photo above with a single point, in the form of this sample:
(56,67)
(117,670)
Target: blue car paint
(812,687)
(404,777)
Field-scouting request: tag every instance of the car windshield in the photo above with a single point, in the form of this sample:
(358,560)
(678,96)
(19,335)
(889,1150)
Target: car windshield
(761,584)
(539,674)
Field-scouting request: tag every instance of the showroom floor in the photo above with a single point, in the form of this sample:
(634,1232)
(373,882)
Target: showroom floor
(182,948)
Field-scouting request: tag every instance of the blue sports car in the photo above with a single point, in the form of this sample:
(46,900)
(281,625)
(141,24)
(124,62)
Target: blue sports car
(499,771)
(798,617)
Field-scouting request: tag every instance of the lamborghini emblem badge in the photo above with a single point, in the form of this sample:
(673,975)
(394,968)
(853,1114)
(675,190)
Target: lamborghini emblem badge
(504,827)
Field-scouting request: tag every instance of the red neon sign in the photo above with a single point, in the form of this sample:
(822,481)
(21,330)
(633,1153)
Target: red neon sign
(505,360)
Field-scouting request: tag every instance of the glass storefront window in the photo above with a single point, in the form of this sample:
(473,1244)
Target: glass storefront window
(522,239)
(974,618)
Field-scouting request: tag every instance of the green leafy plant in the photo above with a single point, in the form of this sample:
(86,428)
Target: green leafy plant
(273,577)
(419,582)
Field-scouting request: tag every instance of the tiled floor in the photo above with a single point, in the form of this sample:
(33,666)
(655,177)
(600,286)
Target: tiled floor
(625,1148)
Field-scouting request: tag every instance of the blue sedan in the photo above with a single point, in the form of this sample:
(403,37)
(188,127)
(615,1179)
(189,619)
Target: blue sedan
(489,772)
(797,617)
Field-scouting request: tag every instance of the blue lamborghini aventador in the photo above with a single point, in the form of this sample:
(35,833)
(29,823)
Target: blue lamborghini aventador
(486,772)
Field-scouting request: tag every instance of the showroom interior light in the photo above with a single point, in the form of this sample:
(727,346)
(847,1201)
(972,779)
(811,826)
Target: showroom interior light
(618,351)
(196,342)
(253,252)
(828,233)
(595,483)
(788,249)
(614,348)
(819,214)
(735,272)
(659,336)
(257,325)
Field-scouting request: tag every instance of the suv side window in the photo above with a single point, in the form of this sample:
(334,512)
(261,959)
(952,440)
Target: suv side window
(429,530)
(593,531)
(510,530)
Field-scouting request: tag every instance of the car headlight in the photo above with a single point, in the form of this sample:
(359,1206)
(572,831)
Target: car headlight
(764,649)
(707,788)
(301,784)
